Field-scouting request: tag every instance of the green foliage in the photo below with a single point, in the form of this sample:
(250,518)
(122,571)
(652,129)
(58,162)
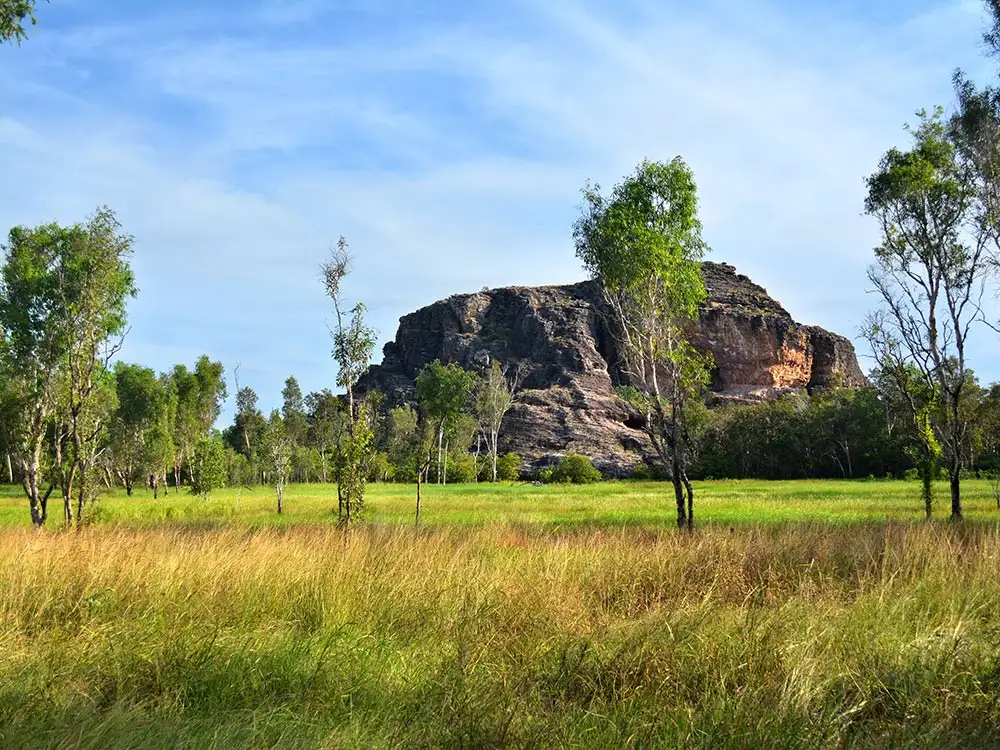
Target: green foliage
(644,244)
(646,236)
(380,468)
(508,467)
(208,468)
(140,433)
(461,467)
(575,469)
(13,16)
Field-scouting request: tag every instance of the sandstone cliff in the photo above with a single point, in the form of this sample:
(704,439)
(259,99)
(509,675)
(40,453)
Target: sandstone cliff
(558,336)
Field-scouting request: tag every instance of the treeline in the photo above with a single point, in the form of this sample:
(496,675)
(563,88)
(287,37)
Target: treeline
(842,433)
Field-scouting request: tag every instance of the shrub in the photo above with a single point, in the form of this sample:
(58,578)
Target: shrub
(508,467)
(461,468)
(576,469)
(641,472)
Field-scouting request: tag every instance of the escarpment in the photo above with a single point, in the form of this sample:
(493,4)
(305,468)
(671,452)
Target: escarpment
(559,338)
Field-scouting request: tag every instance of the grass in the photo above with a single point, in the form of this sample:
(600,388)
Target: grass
(609,504)
(583,621)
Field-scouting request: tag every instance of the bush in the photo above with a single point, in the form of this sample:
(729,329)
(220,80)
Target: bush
(508,467)
(641,472)
(576,469)
(461,468)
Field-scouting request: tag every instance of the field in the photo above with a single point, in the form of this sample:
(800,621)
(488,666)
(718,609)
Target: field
(805,614)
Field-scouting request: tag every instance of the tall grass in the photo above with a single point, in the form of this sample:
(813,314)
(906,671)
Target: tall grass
(871,635)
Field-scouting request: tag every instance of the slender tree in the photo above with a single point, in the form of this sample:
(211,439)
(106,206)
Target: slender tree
(929,274)
(353,344)
(278,453)
(494,397)
(643,243)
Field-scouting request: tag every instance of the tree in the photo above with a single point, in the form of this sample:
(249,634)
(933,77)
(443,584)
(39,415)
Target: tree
(929,272)
(494,396)
(140,431)
(443,392)
(293,411)
(643,243)
(326,423)
(353,344)
(14,14)
(63,313)
(278,454)
(211,392)
(208,467)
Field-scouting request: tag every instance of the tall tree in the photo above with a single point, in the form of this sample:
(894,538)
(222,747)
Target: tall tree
(643,242)
(353,344)
(186,431)
(293,413)
(278,455)
(63,311)
(140,429)
(94,283)
(443,392)
(14,15)
(929,272)
(494,397)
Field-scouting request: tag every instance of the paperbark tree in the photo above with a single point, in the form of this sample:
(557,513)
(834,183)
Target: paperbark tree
(63,312)
(930,271)
(494,397)
(643,243)
(278,451)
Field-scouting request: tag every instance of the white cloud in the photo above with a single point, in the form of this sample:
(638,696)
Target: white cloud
(451,156)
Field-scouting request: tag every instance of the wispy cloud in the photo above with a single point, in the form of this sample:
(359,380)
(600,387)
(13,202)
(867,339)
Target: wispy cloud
(449,144)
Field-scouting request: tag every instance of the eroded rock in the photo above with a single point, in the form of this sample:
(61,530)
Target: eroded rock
(567,355)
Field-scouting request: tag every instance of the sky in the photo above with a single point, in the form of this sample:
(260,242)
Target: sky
(448,143)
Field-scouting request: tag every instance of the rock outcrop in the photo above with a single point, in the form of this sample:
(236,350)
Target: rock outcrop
(559,338)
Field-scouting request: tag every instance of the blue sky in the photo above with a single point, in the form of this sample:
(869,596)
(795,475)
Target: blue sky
(448,141)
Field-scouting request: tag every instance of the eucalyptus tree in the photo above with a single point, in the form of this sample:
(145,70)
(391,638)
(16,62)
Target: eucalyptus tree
(443,392)
(930,272)
(643,243)
(353,344)
(325,417)
(63,313)
(293,413)
(493,398)
(277,449)
(140,440)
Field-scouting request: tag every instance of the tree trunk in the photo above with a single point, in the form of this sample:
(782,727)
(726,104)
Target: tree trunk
(675,479)
(417,519)
(440,441)
(926,470)
(954,476)
(280,489)
(446,447)
(690,500)
(10,470)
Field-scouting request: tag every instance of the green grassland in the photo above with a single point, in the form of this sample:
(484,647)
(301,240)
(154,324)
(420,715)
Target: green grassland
(798,615)
(608,504)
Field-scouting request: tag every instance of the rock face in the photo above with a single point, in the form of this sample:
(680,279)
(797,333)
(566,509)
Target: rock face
(559,338)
